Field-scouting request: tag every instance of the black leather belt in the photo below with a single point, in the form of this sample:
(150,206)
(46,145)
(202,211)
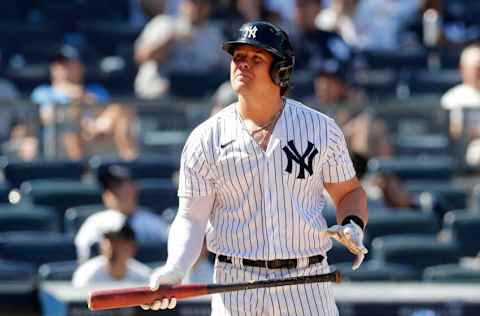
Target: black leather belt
(273,264)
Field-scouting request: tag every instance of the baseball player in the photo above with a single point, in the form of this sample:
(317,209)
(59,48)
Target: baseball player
(252,179)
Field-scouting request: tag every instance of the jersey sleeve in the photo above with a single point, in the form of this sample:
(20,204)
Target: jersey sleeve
(337,165)
(195,177)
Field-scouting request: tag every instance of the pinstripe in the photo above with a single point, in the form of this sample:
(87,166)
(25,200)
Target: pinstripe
(263,209)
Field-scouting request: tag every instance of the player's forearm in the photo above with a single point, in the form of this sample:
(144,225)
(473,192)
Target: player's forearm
(353,203)
(187,232)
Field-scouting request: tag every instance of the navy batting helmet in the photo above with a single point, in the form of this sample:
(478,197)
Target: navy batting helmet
(274,40)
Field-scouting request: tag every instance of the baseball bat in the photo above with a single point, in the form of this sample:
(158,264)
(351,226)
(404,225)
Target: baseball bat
(136,296)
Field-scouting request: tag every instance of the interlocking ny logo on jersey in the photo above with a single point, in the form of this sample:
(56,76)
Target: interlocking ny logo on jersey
(251,32)
(293,155)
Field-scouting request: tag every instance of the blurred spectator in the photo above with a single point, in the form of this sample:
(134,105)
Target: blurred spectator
(466,95)
(369,24)
(331,88)
(242,11)
(8,91)
(311,43)
(81,110)
(223,97)
(120,196)
(177,44)
(115,263)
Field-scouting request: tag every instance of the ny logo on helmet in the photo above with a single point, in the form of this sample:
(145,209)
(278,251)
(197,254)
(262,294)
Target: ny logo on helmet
(251,32)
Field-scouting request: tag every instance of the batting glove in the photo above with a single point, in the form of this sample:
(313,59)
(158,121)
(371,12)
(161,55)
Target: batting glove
(351,236)
(164,276)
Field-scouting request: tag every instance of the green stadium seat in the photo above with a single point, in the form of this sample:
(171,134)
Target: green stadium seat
(451,273)
(27,218)
(417,251)
(414,168)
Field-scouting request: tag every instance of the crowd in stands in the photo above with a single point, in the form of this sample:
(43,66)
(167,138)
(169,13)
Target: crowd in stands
(84,68)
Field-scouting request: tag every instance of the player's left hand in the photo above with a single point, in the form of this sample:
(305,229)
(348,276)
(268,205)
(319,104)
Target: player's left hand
(351,236)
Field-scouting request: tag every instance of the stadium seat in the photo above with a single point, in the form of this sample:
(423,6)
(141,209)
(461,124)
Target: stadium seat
(451,196)
(417,251)
(451,273)
(18,294)
(417,168)
(400,221)
(143,168)
(463,227)
(4,191)
(152,251)
(374,271)
(196,85)
(476,194)
(36,247)
(17,172)
(27,218)
(60,195)
(75,216)
(433,82)
(157,194)
(395,59)
(57,271)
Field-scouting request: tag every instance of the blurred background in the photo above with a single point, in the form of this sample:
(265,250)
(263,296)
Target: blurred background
(87,84)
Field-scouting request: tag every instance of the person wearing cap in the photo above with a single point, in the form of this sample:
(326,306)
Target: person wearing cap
(115,263)
(182,44)
(82,110)
(120,196)
(252,180)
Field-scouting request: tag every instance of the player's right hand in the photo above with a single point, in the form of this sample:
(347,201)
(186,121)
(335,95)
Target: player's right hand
(164,276)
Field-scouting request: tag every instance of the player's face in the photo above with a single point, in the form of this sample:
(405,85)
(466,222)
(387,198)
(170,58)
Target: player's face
(250,70)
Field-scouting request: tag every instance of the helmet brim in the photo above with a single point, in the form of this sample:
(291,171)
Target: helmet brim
(230,46)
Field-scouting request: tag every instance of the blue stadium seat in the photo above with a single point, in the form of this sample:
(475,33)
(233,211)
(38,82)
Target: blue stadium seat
(36,247)
(463,227)
(75,216)
(416,168)
(4,191)
(375,271)
(400,222)
(152,251)
(143,168)
(157,194)
(17,172)
(433,82)
(452,273)
(18,294)
(27,218)
(417,251)
(399,59)
(60,195)
(57,271)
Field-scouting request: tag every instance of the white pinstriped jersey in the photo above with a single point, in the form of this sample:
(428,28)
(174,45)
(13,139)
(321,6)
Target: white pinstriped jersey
(268,204)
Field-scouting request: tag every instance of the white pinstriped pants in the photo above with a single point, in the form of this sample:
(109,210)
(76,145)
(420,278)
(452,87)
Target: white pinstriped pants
(293,300)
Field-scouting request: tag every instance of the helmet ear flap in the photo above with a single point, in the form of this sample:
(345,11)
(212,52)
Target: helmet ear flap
(281,72)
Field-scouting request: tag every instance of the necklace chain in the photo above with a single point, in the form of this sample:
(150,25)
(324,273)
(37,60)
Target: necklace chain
(266,127)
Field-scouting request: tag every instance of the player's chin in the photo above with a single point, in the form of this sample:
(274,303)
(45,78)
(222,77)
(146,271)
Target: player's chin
(240,84)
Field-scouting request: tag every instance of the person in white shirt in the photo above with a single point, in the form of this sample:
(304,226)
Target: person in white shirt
(466,95)
(120,196)
(115,262)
